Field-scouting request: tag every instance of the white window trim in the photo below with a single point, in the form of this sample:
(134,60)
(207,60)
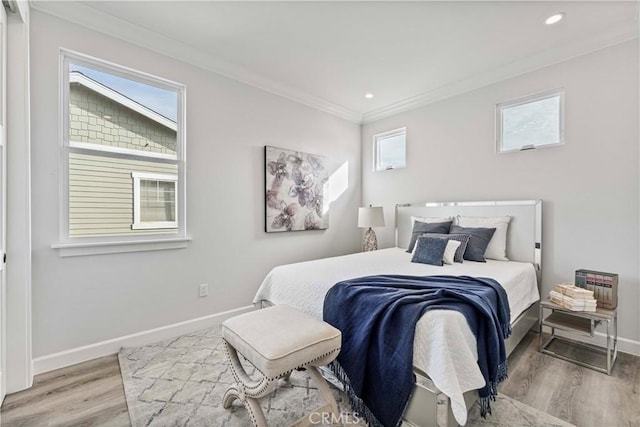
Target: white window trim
(115,247)
(91,245)
(376,148)
(137,223)
(526,100)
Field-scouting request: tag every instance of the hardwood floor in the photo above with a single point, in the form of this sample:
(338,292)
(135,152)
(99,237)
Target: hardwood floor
(573,393)
(91,393)
(87,394)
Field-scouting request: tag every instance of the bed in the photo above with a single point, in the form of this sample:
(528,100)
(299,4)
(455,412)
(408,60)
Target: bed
(444,348)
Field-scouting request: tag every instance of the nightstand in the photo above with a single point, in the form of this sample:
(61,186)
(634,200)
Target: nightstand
(579,323)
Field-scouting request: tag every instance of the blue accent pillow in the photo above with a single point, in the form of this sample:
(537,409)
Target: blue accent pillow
(420,228)
(429,250)
(462,238)
(478,241)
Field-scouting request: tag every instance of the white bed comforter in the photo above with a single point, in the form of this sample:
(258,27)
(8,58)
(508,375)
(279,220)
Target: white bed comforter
(444,346)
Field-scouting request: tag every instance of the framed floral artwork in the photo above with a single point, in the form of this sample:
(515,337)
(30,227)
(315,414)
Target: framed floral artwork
(296,187)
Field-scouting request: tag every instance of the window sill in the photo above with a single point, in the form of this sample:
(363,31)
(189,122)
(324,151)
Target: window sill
(101,248)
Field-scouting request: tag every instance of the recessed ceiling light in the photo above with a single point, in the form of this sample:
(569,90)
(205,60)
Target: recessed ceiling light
(368,95)
(106,117)
(554,19)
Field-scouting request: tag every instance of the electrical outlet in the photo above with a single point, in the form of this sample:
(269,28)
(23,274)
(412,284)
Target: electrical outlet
(204,290)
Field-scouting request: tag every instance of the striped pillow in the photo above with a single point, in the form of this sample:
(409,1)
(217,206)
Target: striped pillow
(420,228)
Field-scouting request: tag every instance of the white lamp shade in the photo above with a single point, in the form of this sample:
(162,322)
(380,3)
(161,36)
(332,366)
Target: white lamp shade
(372,216)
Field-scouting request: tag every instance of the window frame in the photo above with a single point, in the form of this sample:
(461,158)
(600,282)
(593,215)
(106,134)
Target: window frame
(85,245)
(138,224)
(376,148)
(538,96)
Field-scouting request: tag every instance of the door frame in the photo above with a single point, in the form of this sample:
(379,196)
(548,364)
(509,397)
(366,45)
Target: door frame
(3,203)
(19,373)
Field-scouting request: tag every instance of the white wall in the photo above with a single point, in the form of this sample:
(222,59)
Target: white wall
(83,300)
(590,186)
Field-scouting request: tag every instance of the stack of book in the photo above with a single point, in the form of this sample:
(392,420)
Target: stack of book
(573,298)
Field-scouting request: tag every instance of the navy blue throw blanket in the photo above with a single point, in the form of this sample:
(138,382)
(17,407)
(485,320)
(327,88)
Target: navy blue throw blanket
(377,316)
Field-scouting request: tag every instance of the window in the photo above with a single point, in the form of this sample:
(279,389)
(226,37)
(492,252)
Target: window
(530,122)
(123,154)
(390,149)
(154,201)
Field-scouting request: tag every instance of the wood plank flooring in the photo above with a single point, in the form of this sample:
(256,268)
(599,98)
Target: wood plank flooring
(571,392)
(87,394)
(91,393)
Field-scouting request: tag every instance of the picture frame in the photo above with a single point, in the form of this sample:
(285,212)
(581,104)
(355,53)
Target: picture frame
(296,191)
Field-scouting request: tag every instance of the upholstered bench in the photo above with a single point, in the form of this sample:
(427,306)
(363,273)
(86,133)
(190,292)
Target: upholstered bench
(276,340)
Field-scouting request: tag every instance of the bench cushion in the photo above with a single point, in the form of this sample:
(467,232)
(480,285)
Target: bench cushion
(280,338)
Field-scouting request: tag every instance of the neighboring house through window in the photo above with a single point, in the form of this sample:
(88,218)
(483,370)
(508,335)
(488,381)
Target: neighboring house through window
(123,156)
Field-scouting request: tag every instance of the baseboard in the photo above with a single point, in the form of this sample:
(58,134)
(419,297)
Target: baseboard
(104,348)
(625,345)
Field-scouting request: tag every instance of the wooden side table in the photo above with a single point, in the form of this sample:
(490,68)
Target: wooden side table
(581,323)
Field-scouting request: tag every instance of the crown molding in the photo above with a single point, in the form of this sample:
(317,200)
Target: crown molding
(105,23)
(529,64)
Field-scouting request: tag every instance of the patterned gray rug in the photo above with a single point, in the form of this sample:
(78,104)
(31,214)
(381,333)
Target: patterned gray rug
(181,381)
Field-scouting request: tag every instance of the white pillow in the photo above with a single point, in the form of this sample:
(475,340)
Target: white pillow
(429,220)
(497,248)
(450,251)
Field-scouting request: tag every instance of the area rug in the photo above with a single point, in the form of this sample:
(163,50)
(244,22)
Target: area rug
(181,381)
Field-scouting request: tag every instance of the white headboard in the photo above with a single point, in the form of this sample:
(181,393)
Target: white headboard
(524,236)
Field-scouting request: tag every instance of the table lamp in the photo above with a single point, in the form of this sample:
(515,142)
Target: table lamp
(372,216)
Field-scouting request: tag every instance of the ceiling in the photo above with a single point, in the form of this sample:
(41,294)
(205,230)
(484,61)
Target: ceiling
(329,54)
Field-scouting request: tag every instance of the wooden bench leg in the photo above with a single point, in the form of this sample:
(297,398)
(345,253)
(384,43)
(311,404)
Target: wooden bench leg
(324,389)
(251,405)
(246,390)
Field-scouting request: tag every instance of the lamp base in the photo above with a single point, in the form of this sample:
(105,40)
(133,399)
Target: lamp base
(370,243)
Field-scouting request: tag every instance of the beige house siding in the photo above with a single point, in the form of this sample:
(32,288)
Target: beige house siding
(101,194)
(101,186)
(123,127)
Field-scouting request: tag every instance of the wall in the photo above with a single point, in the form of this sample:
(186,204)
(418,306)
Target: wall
(78,301)
(590,186)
